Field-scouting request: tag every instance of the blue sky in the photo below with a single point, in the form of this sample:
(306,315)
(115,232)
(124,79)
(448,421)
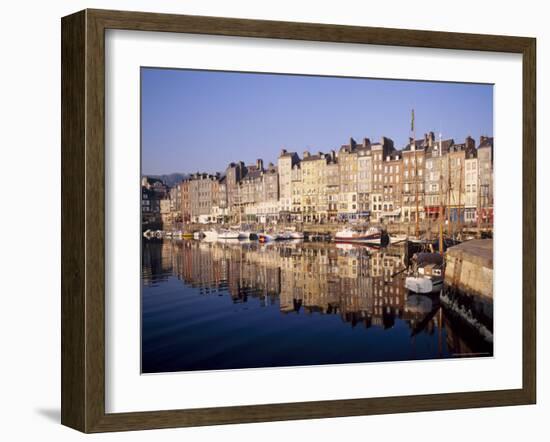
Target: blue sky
(202,120)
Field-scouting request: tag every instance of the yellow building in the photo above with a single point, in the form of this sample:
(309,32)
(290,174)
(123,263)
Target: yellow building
(314,187)
(347,164)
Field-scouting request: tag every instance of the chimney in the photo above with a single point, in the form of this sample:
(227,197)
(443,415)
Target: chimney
(366,143)
(260,164)
(470,143)
(387,143)
(431,139)
(283,151)
(306,154)
(482,139)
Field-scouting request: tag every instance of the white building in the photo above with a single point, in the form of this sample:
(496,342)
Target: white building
(284,165)
(471,184)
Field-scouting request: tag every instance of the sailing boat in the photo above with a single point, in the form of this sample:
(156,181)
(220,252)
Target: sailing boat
(228,234)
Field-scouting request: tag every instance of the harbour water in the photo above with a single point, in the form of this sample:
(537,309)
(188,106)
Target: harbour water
(234,304)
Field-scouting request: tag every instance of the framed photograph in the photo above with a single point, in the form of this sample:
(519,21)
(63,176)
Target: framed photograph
(269,220)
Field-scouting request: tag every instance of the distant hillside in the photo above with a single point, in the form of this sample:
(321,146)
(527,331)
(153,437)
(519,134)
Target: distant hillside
(171,179)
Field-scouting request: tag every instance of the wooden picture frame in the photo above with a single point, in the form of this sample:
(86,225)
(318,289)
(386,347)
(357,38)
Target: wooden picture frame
(83,219)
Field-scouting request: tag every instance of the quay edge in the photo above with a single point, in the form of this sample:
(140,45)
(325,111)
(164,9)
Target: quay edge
(469,267)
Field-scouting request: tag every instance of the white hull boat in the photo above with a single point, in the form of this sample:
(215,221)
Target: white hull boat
(228,234)
(423,284)
(296,235)
(397,238)
(210,235)
(371,236)
(428,273)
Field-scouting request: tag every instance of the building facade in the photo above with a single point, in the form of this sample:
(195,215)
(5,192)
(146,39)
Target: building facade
(485,164)
(414,156)
(392,184)
(367,182)
(285,163)
(364,177)
(471,185)
(435,182)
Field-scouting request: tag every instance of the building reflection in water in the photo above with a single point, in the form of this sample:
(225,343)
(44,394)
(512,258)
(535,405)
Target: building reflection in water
(360,285)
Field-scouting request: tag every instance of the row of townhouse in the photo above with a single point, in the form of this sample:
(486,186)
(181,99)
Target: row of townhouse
(428,178)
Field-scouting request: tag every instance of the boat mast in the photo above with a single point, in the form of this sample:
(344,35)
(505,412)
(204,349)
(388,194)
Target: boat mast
(417,230)
(478,202)
(440,196)
(447,210)
(458,222)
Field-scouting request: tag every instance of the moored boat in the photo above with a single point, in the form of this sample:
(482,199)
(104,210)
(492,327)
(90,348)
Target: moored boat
(373,235)
(428,273)
(210,235)
(228,234)
(279,236)
(266,237)
(394,239)
(296,235)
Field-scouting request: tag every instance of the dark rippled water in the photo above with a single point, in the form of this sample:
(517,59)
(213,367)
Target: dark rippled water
(208,306)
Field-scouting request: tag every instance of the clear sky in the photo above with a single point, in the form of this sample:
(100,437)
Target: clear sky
(201,120)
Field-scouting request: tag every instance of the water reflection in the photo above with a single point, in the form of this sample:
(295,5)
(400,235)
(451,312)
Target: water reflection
(230,304)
